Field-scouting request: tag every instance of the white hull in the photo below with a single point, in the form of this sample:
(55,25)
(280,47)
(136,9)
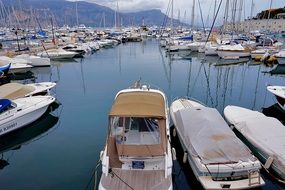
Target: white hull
(13,121)
(19,68)
(281,60)
(35,61)
(39,61)
(211,51)
(156,170)
(201,171)
(279,92)
(57,54)
(225,54)
(264,135)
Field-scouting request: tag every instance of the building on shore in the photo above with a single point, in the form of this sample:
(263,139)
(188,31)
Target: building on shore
(272,20)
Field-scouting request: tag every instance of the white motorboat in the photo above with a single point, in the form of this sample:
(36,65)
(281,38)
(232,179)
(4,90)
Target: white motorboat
(21,112)
(263,135)
(236,50)
(279,92)
(57,54)
(137,154)
(280,57)
(211,49)
(35,61)
(217,157)
(16,90)
(262,53)
(194,46)
(17,65)
(19,68)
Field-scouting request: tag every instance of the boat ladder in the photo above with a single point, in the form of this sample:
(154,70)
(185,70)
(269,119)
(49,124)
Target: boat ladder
(253,177)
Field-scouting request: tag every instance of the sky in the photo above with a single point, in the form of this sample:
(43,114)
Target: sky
(184,7)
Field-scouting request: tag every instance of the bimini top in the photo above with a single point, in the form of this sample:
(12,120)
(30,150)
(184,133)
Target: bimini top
(139,104)
(15,90)
(208,136)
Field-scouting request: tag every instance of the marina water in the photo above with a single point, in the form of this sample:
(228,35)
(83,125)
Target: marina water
(61,151)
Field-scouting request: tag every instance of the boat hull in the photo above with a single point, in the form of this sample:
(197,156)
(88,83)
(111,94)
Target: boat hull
(281,60)
(224,53)
(205,175)
(23,117)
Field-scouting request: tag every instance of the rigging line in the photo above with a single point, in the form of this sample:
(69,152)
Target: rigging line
(208,84)
(213,23)
(195,81)
(112,172)
(94,173)
(201,15)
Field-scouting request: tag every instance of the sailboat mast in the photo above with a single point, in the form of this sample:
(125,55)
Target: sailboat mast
(172,15)
(251,10)
(117,7)
(77,22)
(193,14)
(104,21)
(215,6)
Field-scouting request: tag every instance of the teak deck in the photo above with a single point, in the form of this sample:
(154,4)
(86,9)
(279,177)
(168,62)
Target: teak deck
(136,179)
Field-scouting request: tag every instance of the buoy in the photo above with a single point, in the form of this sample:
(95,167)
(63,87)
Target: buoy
(185,157)
(173,153)
(174,132)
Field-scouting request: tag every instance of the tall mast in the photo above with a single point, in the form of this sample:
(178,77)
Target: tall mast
(193,14)
(251,10)
(117,7)
(77,22)
(104,21)
(215,6)
(172,15)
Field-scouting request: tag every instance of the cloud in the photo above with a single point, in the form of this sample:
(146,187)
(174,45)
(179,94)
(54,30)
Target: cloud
(184,7)
(130,5)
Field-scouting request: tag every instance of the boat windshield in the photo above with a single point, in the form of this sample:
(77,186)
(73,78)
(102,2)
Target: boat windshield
(135,130)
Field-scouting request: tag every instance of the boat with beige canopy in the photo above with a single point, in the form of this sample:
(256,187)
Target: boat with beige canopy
(16,90)
(137,154)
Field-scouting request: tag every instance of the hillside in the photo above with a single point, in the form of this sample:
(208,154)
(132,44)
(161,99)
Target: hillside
(90,14)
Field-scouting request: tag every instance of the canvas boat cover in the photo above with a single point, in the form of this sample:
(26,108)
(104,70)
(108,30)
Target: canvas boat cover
(205,133)
(139,104)
(265,133)
(15,90)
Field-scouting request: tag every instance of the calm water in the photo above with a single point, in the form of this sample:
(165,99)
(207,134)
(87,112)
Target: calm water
(61,150)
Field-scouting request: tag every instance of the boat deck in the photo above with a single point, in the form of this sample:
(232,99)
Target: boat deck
(134,179)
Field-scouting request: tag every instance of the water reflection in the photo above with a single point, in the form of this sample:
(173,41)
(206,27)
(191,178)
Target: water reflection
(275,111)
(25,135)
(278,70)
(18,77)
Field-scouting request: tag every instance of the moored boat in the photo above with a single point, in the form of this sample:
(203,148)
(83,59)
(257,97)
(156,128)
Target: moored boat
(16,90)
(217,157)
(263,135)
(280,57)
(22,111)
(137,154)
(233,51)
(279,92)
(57,54)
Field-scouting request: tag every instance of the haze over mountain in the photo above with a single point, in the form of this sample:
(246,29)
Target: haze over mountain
(90,14)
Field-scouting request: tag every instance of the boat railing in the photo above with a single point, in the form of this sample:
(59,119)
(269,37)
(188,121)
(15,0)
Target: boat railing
(189,98)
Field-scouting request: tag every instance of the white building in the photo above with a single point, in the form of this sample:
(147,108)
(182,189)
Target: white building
(272,25)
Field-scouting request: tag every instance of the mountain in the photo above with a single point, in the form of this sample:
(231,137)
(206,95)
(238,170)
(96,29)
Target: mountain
(90,14)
